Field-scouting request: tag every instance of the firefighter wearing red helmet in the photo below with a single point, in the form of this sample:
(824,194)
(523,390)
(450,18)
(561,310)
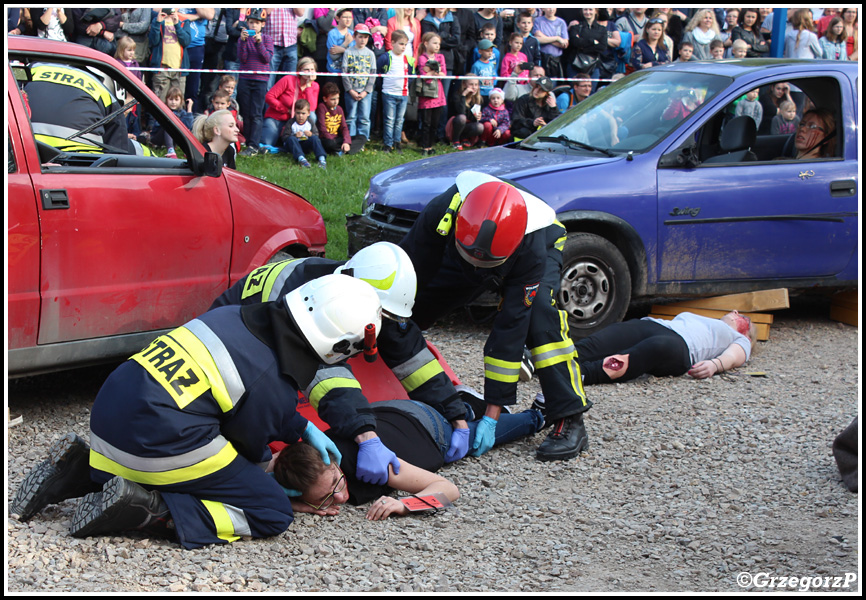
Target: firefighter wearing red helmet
(484,234)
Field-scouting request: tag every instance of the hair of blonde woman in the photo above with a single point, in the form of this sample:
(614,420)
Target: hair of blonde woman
(695,21)
(204,125)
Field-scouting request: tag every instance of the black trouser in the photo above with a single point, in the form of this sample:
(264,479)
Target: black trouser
(429,118)
(652,348)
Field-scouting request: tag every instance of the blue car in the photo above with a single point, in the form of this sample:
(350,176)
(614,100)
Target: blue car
(666,190)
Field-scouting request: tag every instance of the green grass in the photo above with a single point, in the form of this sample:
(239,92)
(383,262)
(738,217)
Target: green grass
(337,191)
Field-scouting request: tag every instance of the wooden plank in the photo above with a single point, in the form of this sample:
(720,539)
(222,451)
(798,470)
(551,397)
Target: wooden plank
(745,302)
(847,299)
(670,309)
(762,330)
(845,315)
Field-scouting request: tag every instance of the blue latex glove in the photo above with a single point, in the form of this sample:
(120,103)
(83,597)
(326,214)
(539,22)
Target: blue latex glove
(485,436)
(459,445)
(322,443)
(373,460)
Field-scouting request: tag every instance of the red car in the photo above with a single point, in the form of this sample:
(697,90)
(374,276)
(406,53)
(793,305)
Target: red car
(108,250)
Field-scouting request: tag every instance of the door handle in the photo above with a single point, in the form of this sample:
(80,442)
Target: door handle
(843,187)
(55,199)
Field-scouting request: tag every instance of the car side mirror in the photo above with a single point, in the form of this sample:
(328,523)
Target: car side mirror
(212,165)
(684,157)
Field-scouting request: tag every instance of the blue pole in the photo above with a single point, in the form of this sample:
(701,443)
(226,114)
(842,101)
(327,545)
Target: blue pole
(780,23)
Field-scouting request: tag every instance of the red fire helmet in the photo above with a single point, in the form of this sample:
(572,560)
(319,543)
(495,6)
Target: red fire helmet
(491,224)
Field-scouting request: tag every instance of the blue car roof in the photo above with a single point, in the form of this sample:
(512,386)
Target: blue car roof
(740,67)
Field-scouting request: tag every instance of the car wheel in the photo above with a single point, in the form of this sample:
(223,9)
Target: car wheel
(280,256)
(595,287)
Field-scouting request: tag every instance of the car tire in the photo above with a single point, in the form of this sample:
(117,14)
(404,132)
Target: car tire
(280,256)
(595,286)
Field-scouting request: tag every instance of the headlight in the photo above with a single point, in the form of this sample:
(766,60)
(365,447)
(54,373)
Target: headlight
(365,207)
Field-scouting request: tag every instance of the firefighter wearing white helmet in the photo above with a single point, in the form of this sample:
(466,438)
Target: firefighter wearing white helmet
(335,393)
(179,433)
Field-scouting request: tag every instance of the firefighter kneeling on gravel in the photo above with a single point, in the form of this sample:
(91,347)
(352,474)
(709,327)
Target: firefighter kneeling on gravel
(179,433)
(483,234)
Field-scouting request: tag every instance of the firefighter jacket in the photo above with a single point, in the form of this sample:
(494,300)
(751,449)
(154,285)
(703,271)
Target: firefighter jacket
(447,282)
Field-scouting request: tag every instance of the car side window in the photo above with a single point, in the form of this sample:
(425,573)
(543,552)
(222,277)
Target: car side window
(11,167)
(776,111)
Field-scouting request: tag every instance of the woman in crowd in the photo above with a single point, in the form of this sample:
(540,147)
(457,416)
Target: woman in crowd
(801,40)
(852,37)
(464,127)
(281,99)
(650,50)
(701,31)
(419,436)
(534,110)
(771,102)
(218,132)
(749,30)
(699,346)
(587,37)
(833,45)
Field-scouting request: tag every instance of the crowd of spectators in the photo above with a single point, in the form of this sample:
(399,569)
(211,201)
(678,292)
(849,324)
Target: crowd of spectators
(358,73)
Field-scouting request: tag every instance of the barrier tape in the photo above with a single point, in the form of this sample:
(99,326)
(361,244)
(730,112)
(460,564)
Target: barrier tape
(410,76)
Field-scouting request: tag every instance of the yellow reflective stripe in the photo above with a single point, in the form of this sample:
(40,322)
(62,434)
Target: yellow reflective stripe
(501,370)
(573,366)
(262,280)
(382,284)
(73,78)
(559,244)
(551,354)
(320,390)
(200,354)
(66,145)
(208,466)
(421,376)
(174,369)
(222,521)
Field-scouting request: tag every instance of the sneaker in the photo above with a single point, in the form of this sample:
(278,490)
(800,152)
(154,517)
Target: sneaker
(171,154)
(458,146)
(398,148)
(304,163)
(120,506)
(249,151)
(323,164)
(567,439)
(527,367)
(266,149)
(64,474)
(539,405)
(387,149)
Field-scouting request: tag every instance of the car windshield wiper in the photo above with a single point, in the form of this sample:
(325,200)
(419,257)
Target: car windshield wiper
(561,139)
(105,147)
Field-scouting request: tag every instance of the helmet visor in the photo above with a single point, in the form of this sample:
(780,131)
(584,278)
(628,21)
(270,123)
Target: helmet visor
(478,261)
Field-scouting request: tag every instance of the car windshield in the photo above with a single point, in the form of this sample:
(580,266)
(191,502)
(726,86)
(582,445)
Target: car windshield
(632,114)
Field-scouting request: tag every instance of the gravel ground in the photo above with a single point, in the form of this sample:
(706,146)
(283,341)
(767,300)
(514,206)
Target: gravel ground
(687,486)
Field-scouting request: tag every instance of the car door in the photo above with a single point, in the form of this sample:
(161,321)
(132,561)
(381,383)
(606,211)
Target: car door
(126,247)
(766,219)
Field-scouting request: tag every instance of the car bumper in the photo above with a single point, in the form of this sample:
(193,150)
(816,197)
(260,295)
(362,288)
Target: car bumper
(379,223)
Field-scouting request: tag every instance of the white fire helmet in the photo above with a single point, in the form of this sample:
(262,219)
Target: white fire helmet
(332,312)
(389,270)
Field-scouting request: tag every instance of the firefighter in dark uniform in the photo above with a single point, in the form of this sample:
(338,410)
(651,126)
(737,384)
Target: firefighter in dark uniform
(335,393)
(180,432)
(64,100)
(484,234)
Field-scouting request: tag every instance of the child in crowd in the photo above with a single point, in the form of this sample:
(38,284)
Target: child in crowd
(488,32)
(395,67)
(430,62)
(126,55)
(299,138)
(174,101)
(496,120)
(787,121)
(515,63)
(331,121)
(485,68)
(717,49)
(686,52)
(338,39)
(222,100)
(360,62)
(255,50)
(531,47)
(739,48)
(229,83)
(751,107)
(168,36)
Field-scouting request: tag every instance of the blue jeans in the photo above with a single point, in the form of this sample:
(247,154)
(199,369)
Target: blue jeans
(271,129)
(298,147)
(393,112)
(251,100)
(508,428)
(358,111)
(285,58)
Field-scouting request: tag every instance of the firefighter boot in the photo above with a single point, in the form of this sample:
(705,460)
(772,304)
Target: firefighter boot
(120,506)
(567,439)
(64,474)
